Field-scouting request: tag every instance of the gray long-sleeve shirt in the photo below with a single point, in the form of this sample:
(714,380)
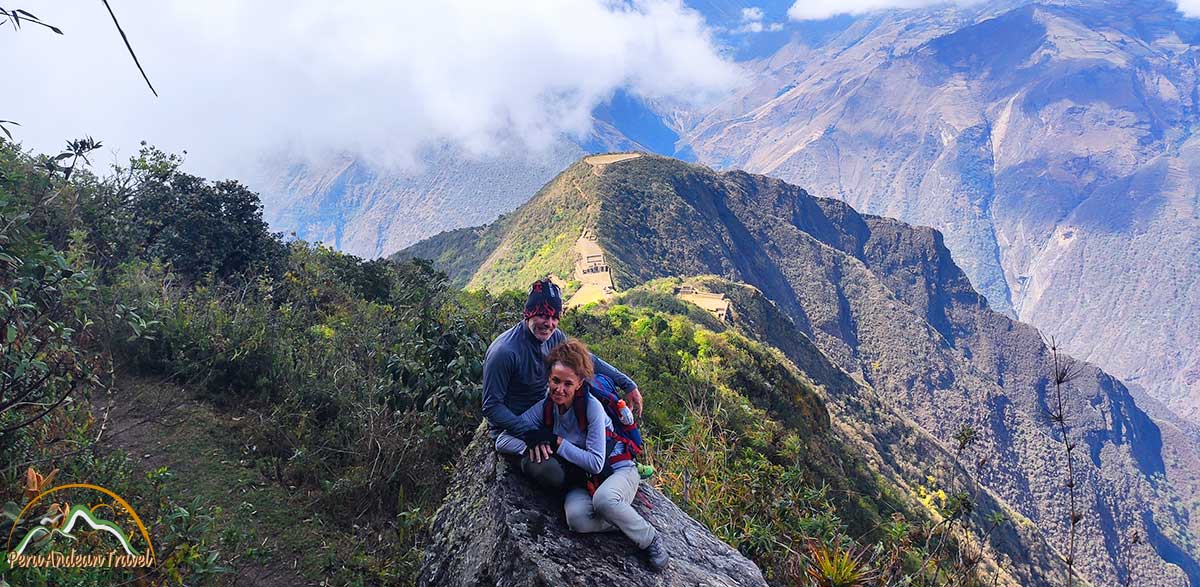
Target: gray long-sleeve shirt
(587,451)
(514,376)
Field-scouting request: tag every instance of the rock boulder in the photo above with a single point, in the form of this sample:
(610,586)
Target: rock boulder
(497,529)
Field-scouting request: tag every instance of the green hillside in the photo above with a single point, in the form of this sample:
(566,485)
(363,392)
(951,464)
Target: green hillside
(903,459)
(536,240)
(785,473)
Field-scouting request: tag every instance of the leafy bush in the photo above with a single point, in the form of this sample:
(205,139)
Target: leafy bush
(357,399)
(151,210)
(46,299)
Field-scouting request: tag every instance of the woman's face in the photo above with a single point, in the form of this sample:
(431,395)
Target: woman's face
(563,383)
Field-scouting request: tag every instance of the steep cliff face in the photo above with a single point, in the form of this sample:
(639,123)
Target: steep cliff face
(865,426)
(885,302)
(1051,143)
(495,529)
(883,299)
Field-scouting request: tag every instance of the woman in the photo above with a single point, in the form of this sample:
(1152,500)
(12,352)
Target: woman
(586,447)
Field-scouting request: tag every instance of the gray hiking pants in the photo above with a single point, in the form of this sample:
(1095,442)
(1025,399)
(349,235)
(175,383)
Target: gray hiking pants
(611,508)
(552,473)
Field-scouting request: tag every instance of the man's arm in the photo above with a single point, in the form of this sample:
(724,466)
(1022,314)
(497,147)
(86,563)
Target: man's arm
(633,396)
(622,380)
(511,444)
(497,372)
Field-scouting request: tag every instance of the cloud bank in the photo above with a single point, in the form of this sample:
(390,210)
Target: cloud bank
(821,9)
(239,79)
(1189,8)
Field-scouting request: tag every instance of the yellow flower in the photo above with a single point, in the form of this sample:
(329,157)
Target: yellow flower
(322,330)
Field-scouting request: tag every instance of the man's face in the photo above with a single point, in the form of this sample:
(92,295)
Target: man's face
(542,326)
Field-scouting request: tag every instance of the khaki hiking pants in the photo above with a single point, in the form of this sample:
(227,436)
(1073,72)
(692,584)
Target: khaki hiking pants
(611,508)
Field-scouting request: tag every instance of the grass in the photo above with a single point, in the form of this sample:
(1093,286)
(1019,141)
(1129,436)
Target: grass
(266,532)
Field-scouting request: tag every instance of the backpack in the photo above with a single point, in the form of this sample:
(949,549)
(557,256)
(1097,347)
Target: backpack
(602,388)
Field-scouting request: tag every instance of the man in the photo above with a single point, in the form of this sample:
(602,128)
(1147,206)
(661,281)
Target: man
(514,378)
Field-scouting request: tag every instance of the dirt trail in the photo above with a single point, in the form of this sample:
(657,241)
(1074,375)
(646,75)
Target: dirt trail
(158,424)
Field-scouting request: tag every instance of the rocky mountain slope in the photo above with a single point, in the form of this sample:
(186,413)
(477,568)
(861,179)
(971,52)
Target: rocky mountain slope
(1052,143)
(368,211)
(865,430)
(885,302)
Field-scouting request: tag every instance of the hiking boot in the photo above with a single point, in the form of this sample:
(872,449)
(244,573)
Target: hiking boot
(658,555)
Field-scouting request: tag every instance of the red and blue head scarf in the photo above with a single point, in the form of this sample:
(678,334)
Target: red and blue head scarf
(544,299)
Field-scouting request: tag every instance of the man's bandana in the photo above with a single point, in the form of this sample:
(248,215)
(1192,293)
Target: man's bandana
(544,300)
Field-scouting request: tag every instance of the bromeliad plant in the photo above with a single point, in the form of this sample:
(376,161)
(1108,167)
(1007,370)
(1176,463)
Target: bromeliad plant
(835,566)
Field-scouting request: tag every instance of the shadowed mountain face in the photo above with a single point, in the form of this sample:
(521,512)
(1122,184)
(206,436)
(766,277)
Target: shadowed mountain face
(1051,143)
(885,302)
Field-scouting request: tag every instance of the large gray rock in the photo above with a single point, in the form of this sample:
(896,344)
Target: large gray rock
(497,529)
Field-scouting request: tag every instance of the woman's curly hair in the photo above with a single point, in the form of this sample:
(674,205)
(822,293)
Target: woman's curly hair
(575,355)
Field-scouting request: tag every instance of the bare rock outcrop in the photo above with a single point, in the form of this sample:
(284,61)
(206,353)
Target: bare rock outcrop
(495,528)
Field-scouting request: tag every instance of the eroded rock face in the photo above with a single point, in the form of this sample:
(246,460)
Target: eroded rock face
(497,529)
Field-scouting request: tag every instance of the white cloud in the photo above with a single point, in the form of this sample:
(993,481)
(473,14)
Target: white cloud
(1189,8)
(821,9)
(752,22)
(240,79)
(752,14)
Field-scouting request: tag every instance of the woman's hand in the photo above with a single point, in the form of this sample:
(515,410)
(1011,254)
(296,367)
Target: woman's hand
(541,452)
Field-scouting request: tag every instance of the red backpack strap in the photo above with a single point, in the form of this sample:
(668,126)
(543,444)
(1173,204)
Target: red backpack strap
(581,397)
(631,447)
(548,414)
